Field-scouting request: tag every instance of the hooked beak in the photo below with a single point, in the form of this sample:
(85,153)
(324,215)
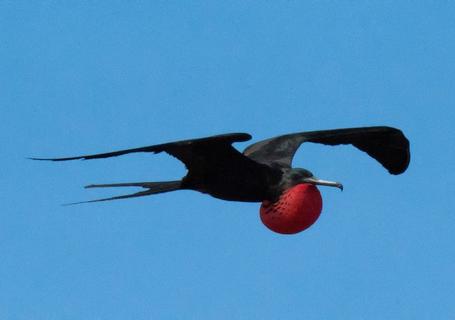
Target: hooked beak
(316,181)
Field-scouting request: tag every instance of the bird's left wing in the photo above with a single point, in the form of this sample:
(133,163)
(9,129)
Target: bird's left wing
(387,145)
(190,152)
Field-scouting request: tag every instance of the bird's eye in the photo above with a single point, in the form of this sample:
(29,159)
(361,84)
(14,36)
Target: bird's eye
(307,173)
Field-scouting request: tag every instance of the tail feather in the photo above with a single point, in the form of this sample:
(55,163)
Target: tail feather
(153,188)
(163,185)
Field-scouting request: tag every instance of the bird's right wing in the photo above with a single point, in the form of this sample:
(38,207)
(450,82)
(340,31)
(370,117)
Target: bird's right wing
(387,145)
(190,152)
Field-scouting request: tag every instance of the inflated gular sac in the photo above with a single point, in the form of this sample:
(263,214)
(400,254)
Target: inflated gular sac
(296,210)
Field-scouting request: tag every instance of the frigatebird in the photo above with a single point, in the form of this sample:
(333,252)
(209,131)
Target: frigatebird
(263,172)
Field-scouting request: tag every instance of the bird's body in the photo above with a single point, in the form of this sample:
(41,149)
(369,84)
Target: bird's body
(234,180)
(263,171)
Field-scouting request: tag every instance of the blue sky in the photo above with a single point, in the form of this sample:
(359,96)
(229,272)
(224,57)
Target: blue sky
(82,78)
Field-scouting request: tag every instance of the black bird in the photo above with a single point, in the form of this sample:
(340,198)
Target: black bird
(263,171)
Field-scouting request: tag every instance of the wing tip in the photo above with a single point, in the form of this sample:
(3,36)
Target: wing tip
(73,203)
(402,167)
(405,145)
(244,136)
(234,137)
(56,159)
(39,159)
(398,171)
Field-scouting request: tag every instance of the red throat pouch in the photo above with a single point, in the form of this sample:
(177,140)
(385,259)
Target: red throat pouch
(296,210)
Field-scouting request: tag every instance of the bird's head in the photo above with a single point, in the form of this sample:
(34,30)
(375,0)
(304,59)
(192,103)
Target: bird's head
(299,175)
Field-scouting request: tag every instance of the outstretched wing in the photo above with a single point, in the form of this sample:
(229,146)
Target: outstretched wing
(190,152)
(387,145)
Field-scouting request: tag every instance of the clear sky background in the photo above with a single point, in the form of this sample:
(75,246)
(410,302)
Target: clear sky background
(84,78)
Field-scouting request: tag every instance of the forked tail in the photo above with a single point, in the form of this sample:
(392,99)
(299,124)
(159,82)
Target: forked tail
(152,188)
